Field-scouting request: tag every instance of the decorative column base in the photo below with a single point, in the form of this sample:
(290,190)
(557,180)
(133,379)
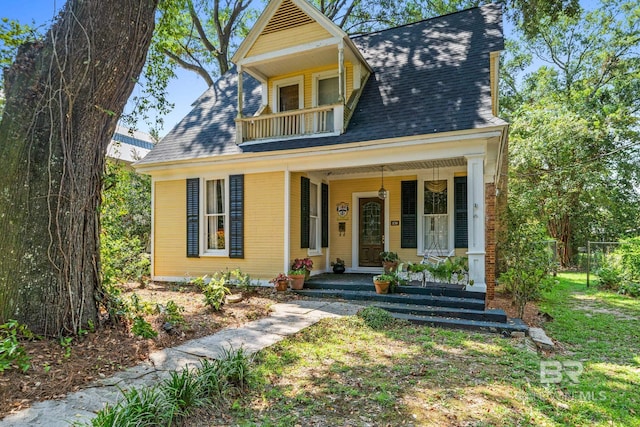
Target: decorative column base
(476,272)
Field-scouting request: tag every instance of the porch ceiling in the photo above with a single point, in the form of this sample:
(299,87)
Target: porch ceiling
(395,167)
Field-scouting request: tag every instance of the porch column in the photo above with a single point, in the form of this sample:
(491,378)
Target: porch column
(341,73)
(240,91)
(476,222)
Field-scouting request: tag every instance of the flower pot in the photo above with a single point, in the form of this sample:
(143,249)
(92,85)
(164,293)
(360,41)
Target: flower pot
(389,267)
(381,287)
(297,281)
(281,285)
(338,268)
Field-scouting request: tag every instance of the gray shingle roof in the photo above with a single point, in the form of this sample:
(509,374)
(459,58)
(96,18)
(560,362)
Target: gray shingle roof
(429,77)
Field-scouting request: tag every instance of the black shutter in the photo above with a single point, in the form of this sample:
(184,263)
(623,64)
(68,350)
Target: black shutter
(236,216)
(460,212)
(409,214)
(325,216)
(193,217)
(305,208)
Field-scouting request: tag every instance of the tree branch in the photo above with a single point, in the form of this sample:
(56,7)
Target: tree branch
(188,66)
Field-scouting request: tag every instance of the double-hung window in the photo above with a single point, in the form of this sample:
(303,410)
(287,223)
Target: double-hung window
(215,217)
(435,218)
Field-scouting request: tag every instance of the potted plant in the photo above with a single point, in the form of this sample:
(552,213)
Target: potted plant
(280,282)
(382,283)
(338,266)
(390,261)
(297,278)
(304,263)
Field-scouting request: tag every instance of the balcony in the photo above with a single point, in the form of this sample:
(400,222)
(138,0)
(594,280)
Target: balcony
(318,121)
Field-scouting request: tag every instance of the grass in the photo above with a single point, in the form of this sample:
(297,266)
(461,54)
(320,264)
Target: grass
(344,372)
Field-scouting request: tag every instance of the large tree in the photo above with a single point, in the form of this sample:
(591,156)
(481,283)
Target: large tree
(64,96)
(575,124)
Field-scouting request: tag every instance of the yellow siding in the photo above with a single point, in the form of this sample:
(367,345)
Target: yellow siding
(319,261)
(264,230)
(288,38)
(308,82)
(341,191)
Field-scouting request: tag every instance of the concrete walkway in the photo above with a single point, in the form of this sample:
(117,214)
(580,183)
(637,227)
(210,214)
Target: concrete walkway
(286,319)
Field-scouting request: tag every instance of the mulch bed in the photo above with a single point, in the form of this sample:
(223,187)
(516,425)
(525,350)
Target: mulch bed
(56,371)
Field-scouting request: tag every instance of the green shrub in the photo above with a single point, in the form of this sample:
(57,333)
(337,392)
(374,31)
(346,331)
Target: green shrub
(125,217)
(214,289)
(11,351)
(629,255)
(630,288)
(171,312)
(610,277)
(376,318)
(182,393)
(142,328)
(527,259)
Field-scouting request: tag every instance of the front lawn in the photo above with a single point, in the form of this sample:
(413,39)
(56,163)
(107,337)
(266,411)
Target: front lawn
(342,372)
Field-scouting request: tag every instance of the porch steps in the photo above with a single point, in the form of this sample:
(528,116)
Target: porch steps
(434,305)
(416,299)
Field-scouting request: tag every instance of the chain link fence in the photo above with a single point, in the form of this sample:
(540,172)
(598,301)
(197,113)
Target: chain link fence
(594,256)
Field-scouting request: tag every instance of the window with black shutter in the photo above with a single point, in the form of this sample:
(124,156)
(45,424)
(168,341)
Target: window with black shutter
(304,212)
(460,211)
(193,217)
(236,216)
(409,214)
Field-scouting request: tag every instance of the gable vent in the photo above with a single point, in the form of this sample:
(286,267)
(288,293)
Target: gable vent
(287,16)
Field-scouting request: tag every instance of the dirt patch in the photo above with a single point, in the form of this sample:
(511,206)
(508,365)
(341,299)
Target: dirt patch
(532,315)
(589,303)
(57,370)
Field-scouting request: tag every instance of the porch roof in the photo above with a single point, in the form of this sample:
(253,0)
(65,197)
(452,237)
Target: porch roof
(429,77)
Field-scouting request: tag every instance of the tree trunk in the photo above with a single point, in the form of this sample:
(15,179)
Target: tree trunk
(64,96)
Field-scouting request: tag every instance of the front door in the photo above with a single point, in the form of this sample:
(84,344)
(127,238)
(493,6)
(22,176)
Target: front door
(371,233)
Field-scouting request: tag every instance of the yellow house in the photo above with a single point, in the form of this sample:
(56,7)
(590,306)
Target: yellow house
(317,144)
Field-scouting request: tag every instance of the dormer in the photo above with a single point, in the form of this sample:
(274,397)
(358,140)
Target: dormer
(311,74)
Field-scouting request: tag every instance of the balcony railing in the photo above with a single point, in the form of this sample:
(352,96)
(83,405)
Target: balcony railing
(289,124)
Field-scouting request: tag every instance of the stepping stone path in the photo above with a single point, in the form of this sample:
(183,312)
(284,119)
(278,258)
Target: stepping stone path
(286,319)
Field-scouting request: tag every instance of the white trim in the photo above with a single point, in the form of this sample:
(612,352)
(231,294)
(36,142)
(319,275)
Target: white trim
(355,230)
(466,144)
(318,250)
(277,84)
(153,225)
(287,220)
(262,58)
(204,252)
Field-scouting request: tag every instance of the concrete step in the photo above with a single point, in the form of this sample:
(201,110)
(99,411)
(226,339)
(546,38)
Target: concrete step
(433,289)
(506,328)
(413,299)
(493,315)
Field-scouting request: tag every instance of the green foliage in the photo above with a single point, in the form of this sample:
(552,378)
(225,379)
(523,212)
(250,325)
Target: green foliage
(65,342)
(182,393)
(574,124)
(117,308)
(125,216)
(621,268)
(11,352)
(171,312)
(234,368)
(142,328)
(527,260)
(454,267)
(176,397)
(214,289)
(376,318)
